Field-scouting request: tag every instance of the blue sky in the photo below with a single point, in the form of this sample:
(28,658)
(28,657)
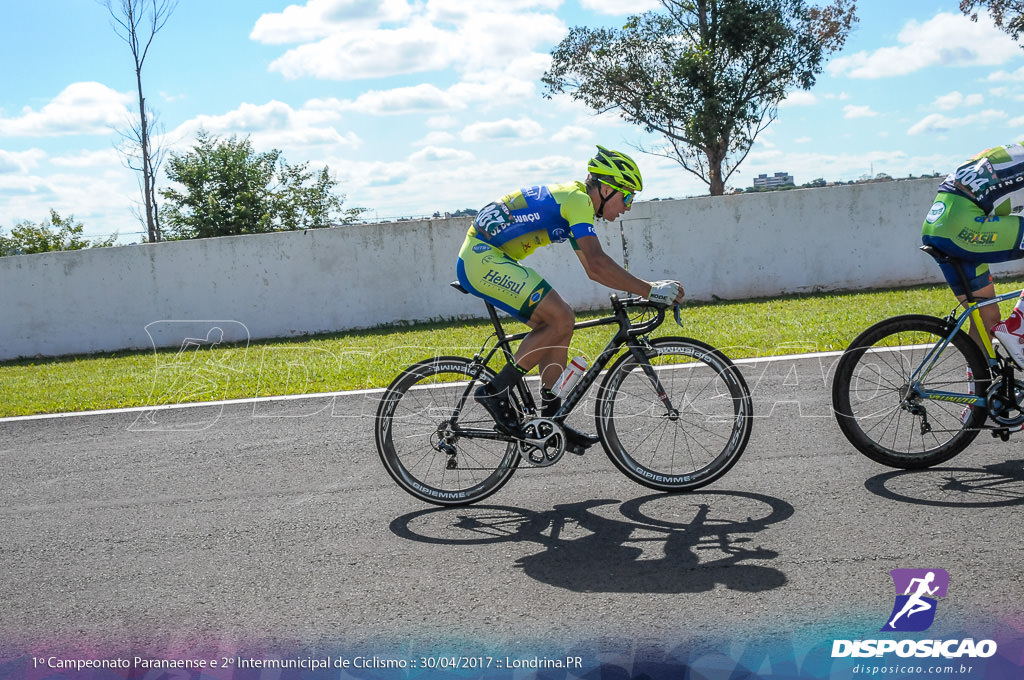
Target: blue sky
(420,106)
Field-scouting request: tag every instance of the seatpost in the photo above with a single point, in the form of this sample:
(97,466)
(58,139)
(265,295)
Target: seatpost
(499,331)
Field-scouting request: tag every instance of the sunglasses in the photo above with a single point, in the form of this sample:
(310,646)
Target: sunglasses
(627,197)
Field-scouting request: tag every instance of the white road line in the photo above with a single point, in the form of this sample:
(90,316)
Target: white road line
(324,395)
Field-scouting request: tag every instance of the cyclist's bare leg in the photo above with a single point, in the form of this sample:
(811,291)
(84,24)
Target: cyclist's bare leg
(990,315)
(547,345)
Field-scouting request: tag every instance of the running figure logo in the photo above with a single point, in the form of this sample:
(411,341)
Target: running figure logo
(916,593)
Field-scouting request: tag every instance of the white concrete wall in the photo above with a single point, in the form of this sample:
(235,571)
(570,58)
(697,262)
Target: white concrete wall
(298,283)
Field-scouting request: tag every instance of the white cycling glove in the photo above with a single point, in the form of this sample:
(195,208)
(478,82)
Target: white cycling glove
(664,292)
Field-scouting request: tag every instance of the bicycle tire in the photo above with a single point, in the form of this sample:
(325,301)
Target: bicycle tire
(873,375)
(410,415)
(686,452)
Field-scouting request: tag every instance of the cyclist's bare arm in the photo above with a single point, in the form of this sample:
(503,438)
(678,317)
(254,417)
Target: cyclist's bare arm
(600,267)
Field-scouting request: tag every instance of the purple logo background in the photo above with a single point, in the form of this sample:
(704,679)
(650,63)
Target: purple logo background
(917,591)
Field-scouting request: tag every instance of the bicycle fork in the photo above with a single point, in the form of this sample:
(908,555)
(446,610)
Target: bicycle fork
(645,364)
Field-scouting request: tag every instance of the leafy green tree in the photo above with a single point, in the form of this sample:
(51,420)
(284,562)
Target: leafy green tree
(1006,14)
(227,189)
(54,233)
(707,75)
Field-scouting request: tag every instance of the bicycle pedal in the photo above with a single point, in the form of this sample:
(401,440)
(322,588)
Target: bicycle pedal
(577,438)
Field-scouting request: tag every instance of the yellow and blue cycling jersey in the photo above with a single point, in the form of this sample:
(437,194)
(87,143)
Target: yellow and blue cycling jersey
(534,217)
(512,228)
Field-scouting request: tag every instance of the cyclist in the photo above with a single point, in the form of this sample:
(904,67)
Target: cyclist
(975,219)
(506,231)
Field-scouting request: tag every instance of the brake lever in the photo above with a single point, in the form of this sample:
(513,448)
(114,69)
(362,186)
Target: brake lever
(675,310)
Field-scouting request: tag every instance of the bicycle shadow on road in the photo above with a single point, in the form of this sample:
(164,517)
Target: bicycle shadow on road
(990,486)
(655,544)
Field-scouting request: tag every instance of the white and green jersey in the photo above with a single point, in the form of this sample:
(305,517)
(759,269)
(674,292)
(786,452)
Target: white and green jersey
(993,179)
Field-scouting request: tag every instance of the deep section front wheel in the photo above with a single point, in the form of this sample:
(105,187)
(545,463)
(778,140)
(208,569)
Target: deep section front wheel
(435,441)
(677,420)
(880,406)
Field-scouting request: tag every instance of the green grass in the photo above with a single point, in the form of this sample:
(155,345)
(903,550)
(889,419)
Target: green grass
(369,359)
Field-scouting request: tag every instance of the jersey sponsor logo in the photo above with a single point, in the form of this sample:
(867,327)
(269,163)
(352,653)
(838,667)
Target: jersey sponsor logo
(528,217)
(496,278)
(493,218)
(506,261)
(481,248)
(983,238)
(937,210)
(537,193)
(975,178)
(983,219)
(558,234)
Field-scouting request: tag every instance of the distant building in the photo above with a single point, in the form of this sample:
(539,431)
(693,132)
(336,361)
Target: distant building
(779,179)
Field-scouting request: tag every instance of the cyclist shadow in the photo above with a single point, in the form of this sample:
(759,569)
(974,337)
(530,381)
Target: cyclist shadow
(640,552)
(990,486)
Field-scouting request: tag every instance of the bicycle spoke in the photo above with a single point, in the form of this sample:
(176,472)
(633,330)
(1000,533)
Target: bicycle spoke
(883,414)
(427,450)
(694,444)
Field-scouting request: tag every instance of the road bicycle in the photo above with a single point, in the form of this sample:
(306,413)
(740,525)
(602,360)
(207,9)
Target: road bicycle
(913,391)
(672,413)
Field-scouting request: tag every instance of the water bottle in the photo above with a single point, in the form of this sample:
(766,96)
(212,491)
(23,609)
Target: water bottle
(570,376)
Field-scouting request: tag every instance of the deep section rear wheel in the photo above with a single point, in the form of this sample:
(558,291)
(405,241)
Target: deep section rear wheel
(882,413)
(685,438)
(435,441)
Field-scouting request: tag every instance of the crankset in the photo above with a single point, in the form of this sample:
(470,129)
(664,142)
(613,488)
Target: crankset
(1003,411)
(544,443)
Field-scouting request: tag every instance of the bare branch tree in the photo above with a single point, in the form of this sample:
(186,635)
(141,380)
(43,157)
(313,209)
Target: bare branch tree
(137,22)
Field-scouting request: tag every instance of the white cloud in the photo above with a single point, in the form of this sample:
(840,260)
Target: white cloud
(422,98)
(20,162)
(938,123)
(505,129)
(945,40)
(103,201)
(478,91)
(442,122)
(86,108)
(432,154)
(321,18)
(431,37)
(799,98)
(89,159)
(620,9)
(271,125)
(572,133)
(372,54)
(955,99)
(853,111)
(435,138)
(1003,76)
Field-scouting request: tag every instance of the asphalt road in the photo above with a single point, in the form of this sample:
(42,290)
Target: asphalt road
(274,525)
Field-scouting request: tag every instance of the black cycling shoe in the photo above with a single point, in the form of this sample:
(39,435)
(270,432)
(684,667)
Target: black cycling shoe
(501,409)
(578,442)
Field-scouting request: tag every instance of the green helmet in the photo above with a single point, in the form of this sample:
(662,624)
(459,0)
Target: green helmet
(615,169)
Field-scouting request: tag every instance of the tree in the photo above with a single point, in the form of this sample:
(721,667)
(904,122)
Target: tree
(56,233)
(707,75)
(229,189)
(1006,14)
(137,23)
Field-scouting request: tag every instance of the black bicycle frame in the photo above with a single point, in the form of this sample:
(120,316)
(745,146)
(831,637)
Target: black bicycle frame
(624,336)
